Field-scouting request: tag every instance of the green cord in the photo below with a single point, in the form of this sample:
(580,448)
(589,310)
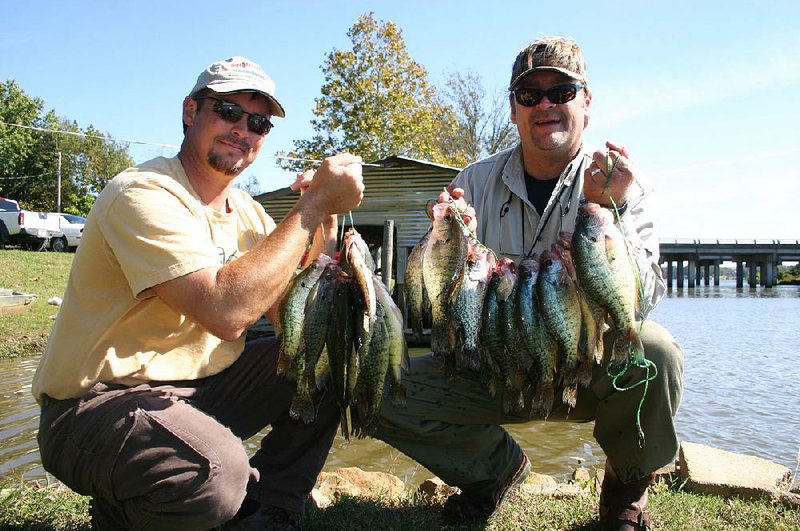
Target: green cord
(638,360)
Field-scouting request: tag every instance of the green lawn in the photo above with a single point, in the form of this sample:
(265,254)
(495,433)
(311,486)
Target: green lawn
(44,274)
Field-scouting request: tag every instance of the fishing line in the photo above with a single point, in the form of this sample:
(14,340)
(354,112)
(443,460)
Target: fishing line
(638,360)
(474,240)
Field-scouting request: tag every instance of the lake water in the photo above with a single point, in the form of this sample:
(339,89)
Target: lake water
(741,392)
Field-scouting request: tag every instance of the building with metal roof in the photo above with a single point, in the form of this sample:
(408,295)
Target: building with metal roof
(396,189)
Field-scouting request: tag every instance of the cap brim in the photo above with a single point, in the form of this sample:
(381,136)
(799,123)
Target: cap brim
(227,88)
(566,72)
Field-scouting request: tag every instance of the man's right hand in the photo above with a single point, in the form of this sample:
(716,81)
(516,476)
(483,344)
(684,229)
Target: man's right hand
(336,186)
(466,210)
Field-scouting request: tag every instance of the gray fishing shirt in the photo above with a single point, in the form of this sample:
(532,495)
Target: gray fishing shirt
(510,225)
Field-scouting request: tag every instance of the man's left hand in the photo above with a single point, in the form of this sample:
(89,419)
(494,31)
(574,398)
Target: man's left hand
(609,176)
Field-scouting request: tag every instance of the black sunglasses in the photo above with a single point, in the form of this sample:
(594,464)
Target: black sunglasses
(559,94)
(231,112)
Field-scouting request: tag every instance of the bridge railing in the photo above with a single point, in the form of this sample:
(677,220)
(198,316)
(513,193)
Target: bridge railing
(702,241)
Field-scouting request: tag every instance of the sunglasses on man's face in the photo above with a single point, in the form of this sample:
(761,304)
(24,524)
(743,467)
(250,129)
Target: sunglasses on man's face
(231,112)
(559,94)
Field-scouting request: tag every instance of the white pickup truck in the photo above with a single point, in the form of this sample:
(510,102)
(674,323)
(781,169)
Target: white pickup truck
(30,230)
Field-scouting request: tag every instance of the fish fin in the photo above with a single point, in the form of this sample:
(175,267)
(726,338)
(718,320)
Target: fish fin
(302,407)
(398,394)
(570,394)
(543,399)
(345,424)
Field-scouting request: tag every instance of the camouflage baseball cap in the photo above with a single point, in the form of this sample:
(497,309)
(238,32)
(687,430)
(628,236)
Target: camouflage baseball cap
(557,54)
(238,74)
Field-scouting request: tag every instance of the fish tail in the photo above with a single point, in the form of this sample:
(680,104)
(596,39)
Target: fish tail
(543,399)
(302,407)
(471,359)
(570,394)
(585,371)
(397,393)
(345,424)
(628,346)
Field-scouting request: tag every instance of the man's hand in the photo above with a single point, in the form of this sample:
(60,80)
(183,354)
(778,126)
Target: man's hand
(466,210)
(609,176)
(336,186)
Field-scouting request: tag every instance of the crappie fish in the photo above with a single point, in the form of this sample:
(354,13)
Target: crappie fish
(291,314)
(414,287)
(497,346)
(561,313)
(356,264)
(466,304)
(443,260)
(608,276)
(590,344)
(535,340)
(340,347)
(319,305)
(368,390)
(398,350)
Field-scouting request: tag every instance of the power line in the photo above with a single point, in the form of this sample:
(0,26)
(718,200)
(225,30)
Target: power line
(86,135)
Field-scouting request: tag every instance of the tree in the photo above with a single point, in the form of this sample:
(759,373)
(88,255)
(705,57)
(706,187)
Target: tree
(376,101)
(249,185)
(484,123)
(29,157)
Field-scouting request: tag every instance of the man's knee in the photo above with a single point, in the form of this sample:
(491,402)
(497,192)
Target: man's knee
(177,461)
(662,349)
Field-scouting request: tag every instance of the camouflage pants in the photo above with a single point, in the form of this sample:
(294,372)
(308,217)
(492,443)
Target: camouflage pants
(452,427)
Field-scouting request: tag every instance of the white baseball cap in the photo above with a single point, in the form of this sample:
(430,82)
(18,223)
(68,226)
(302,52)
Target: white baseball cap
(238,74)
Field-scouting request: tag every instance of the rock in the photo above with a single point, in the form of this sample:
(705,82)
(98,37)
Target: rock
(554,490)
(318,500)
(711,471)
(358,483)
(581,475)
(435,490)
(599,476)
(540,479)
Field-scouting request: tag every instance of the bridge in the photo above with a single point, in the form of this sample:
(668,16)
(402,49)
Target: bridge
(702,257)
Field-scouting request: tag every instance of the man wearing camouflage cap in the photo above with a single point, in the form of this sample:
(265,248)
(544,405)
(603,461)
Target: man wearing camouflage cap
(147,386)
(522,198)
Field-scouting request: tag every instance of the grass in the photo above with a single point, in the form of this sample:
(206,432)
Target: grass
(56,508)
(44,274)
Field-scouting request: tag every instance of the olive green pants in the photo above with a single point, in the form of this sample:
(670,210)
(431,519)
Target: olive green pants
(452,427)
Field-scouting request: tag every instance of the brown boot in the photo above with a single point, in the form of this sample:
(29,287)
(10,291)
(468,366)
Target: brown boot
(622,505)
(460,508)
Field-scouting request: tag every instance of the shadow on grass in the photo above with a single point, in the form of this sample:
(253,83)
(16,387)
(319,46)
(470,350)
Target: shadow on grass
(409,515)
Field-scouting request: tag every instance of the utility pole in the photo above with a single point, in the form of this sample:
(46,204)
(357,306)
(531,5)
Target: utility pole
(58,194)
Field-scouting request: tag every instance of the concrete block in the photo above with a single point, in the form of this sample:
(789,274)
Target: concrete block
(711,471)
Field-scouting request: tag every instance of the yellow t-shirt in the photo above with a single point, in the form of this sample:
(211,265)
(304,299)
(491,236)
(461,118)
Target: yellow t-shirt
(148,226)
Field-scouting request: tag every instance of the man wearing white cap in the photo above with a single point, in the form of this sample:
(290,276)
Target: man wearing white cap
(522,199)
(147,387)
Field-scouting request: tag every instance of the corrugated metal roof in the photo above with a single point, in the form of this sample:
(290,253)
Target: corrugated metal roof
(398,190)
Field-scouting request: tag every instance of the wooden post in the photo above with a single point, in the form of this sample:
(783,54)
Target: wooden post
(387,253)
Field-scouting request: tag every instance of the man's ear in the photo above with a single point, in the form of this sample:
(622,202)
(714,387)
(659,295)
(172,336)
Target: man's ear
(189,110)
(513,108)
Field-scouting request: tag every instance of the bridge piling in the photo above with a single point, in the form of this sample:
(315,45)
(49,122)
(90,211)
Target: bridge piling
(760,257)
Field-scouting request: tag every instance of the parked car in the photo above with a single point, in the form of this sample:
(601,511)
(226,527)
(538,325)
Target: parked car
(30,230)
(72,229)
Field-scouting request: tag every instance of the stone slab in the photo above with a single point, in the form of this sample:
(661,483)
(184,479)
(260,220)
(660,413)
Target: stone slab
(709,470)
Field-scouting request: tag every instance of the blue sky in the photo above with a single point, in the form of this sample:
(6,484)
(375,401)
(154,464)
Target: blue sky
(703,93)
